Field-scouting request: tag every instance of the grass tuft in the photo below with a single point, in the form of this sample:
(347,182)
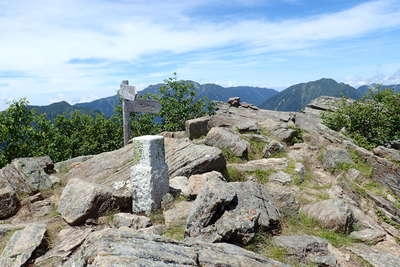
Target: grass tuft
(301,224)
(235,175)
(230,157)
(176,232)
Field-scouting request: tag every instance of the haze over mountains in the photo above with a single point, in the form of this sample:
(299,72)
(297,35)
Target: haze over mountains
(294,98)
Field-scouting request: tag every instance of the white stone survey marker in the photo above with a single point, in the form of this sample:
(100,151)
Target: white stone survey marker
(149,173)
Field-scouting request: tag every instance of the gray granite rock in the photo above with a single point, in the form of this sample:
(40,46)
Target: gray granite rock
(197,128)
(81,200)
(185,158)
(261,164)
(129,220)
(273,148)
(197,182)
(28,175)
(376,257)
(232,212)
(224,138)
(334,157)
(334,214)
(307,249)
(178,214)
(68,240)
(22,245)
(125,247)
(370,236)
(8,202)
(179,183)
(281,177)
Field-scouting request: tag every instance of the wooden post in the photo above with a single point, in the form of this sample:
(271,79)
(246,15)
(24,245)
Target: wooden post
(131,104)
(126,117)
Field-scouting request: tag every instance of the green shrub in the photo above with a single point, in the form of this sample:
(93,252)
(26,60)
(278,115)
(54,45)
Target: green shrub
(371,121)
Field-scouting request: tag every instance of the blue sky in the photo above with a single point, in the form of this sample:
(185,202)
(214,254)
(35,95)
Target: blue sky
(80,50)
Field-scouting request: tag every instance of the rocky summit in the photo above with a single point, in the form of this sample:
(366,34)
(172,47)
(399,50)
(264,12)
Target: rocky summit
(247,187)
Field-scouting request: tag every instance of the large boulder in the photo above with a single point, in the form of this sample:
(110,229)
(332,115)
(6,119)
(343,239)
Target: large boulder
(125,247)
(224,138)
(8,202)
(22,245)
(185,158)
(113,169)
(232,212)
(335,157)
(197,128)
(28,175)
(81,200)
(333,214)
(307,249)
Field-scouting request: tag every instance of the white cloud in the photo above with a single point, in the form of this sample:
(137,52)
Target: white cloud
(39,37)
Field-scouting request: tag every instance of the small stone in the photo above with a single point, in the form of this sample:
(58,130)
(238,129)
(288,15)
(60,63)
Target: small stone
(129,220)
(224,138)
(149,174)
(300,170)
(178,214)
(178,183)
(167,200)
(234,101)
(8,202)
(335,157)
(273,148)
(261,164)
(334,214)
(197,128)
(281,177)
(197,182)
(371,236)
(307,249)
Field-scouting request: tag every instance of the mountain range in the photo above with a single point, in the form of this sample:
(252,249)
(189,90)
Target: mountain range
(253,95)
(293,98)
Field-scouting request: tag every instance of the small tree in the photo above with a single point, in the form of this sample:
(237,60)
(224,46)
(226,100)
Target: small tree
(179,104)
(371,121)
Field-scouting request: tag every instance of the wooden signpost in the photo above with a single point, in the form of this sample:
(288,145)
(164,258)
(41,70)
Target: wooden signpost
(131,104)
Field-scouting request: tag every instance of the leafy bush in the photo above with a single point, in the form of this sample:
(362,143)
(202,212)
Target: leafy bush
(179,104)
(371,121)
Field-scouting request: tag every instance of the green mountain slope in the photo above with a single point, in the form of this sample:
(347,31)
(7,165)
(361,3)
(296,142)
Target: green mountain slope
(363,90)
(296,97)
(51,111)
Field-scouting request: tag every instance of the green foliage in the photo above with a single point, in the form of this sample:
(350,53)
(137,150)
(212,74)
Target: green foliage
(179,104)
(371,121)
